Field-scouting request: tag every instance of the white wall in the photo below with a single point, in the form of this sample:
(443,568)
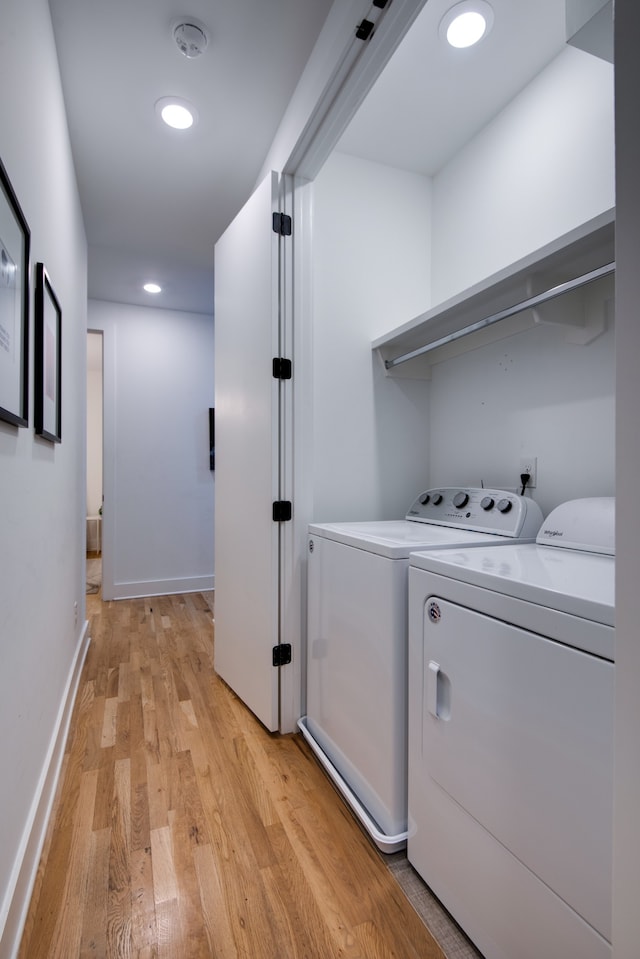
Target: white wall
(534,394)
(158,488)
(42,486)
(626,866)
(543,166)
(526,179)
(370,270)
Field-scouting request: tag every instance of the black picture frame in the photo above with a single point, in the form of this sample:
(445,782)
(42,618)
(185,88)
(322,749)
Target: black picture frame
(48,359)
(15,242)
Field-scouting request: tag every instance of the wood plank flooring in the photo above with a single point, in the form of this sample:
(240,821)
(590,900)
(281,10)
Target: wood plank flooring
(183,830)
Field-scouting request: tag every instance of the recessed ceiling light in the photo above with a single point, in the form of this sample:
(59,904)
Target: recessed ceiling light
(152,288)
(176,112)
(466,23)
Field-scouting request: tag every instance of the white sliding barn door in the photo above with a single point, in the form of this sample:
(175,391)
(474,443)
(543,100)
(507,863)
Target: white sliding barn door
(248,453)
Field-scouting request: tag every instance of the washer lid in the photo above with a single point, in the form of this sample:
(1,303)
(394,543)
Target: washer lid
(586,524)
(396,539)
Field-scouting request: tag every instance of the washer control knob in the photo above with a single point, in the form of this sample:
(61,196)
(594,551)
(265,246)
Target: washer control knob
(425,499)
(460,500)
(487,503)
(436,499)
(504,505)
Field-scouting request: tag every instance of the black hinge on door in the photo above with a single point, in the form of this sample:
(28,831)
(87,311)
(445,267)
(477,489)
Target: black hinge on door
(282,654)
(281,368)
(364,30)
(282,511)
(282,224)
(381,4)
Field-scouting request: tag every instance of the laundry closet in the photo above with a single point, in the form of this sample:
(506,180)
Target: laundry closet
(406,258)
(391,244)
(389,249)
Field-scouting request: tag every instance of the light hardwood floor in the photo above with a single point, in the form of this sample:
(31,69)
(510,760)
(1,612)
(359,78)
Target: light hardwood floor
(182,829)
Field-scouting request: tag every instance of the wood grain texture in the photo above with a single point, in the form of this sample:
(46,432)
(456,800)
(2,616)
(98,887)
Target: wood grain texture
(182,828)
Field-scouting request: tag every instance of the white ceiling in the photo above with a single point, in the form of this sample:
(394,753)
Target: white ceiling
(155,200)
(432,98)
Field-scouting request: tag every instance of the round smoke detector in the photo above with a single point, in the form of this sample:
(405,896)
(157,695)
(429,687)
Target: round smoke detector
(190,38)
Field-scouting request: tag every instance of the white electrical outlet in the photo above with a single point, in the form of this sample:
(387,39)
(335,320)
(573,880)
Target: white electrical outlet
(529,464)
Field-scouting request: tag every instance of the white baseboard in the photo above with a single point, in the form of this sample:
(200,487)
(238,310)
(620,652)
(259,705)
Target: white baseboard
(13,912)
(163,587)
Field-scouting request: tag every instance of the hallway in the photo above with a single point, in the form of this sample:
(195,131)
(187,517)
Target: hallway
(183,829)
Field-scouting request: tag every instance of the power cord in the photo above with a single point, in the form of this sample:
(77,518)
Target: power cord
(524,479)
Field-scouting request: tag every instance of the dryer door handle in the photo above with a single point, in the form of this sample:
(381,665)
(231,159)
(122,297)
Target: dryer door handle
(438,692)
(433,674)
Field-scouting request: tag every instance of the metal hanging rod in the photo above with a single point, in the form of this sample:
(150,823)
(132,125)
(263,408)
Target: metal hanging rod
(504,314)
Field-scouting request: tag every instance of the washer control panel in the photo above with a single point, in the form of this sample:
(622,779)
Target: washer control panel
(484,510)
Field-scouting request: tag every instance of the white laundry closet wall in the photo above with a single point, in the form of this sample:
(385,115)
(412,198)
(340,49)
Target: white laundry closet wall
(543,166)
(389,244)
(371,257)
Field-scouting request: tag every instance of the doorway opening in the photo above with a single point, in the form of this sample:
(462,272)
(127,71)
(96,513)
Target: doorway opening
(95,492)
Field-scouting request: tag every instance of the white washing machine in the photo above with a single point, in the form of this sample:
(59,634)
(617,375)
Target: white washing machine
(511,670)
(357,638)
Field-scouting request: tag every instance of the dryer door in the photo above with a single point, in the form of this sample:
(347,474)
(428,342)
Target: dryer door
(518,730)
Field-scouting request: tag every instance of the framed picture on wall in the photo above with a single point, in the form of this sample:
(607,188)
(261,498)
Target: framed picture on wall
(15,238)
(48,359)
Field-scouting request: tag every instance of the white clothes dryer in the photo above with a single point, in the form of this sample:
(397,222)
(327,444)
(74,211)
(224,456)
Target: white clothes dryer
(511,670)
(356,717)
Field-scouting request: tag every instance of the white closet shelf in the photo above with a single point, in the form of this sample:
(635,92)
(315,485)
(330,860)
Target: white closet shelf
(537,288)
